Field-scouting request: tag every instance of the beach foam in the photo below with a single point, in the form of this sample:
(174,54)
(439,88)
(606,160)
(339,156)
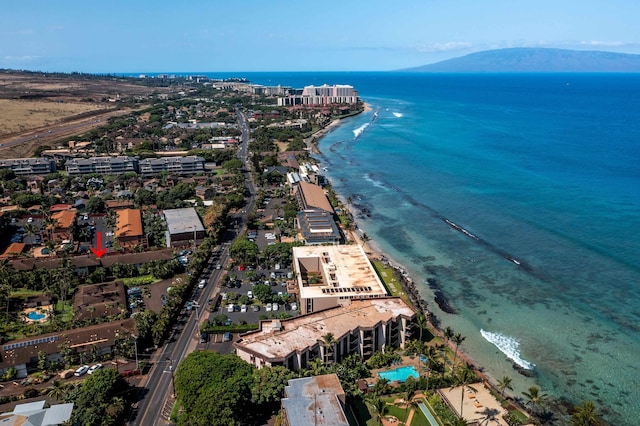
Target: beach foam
(508,346)
(357,132)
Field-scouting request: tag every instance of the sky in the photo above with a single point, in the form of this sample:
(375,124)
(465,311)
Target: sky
(130,36)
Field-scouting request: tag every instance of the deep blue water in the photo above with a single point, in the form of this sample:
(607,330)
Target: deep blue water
(544,172)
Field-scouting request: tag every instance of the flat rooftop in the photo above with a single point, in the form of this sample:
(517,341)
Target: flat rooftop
(277,339)
(330,271)
(183,220)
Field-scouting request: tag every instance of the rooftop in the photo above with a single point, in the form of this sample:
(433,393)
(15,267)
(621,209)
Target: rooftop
(129,223)
(183,220)
(277,340)
(315,401)
(330,271)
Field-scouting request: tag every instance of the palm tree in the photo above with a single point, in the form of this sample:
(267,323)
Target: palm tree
(457,339)
(535,398)
(328,342)
(30,229)
(379,405)
(504,383)
(58,391)
(408,397)
(421,321)
(464,376)
(431,353)
(448,333)
(585,414)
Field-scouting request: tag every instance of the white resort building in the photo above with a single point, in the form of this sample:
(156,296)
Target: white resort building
(329,276)
(361,327)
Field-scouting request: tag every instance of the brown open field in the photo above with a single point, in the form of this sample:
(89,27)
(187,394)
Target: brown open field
(22,115)
(41,109)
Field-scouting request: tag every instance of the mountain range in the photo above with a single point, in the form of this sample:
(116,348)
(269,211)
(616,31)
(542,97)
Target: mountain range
(524,59)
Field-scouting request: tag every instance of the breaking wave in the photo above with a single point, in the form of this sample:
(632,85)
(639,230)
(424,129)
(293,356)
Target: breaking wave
(508,346)
(357,132)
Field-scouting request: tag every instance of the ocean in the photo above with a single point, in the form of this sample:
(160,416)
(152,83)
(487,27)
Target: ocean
(518,197)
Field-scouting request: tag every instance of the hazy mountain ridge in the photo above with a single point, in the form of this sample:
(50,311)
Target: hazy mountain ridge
(536,60)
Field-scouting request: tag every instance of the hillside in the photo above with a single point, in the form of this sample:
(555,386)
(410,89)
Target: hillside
(536,60)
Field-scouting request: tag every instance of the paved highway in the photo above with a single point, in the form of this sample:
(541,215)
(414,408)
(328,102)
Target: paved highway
(157,397)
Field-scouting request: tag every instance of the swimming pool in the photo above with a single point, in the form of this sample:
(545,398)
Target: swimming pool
(399,374)
(427,413)
(35,316)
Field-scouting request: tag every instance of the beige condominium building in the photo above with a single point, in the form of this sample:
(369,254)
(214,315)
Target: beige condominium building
(362,327)
(329,276)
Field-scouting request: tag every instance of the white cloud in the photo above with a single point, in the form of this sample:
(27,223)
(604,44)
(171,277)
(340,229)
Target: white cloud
(444,47)
(600,43)
(25,58)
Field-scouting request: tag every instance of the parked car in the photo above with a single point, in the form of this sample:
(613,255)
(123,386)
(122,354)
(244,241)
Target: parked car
(204,337)
(294,306)
(256,308)
(274,306)
(94,368)
(231,307)
(202,283)
(243,308)
(30,220)
(81,371)
(268,307)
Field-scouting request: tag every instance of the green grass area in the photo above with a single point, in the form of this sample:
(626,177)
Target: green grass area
(23,293)
(394,410)
(419,419)
(388,278)
(68,310)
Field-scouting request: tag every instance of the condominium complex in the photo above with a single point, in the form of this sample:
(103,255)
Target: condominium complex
(322,95)
(329,276)
(361,327)
(316,227)
(175,165)
(150,166)
(101,165)
(29,166)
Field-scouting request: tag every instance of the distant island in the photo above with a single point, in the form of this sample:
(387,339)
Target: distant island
(536,60)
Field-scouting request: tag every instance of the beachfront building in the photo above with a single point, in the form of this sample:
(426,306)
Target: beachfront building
(316,227)
(184,227)
(101,165)
(317,400)
(188,165)
(29,166)
(310,196)
(360,327)
(322,95)
(329,276)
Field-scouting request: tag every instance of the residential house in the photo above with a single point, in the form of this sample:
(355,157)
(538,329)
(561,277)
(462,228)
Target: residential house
(129,231)
(34,414)
(99,300)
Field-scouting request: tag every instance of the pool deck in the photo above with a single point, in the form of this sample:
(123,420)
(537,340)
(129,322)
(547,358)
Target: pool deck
(43,310)
(479,406)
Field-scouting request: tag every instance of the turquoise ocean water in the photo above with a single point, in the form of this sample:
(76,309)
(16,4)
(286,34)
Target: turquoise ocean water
(543,174)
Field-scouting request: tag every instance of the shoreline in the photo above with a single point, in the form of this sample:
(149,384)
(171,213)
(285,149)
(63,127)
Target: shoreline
(375,252)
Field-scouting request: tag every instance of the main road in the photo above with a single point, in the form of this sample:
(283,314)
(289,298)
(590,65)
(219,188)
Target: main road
(158,394)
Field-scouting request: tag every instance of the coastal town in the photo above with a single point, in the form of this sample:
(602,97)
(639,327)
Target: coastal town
(172,248)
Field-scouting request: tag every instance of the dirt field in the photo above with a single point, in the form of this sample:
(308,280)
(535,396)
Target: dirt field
(42,109)
(22,115)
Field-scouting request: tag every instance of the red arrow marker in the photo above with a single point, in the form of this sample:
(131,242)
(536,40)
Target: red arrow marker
(99,252)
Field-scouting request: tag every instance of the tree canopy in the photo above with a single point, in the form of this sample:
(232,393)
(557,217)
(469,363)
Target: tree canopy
(100,400)
(213,389)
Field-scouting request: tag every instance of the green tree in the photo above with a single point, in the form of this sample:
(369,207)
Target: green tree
(585,414)
(457,339)
(535,398)
(464,376)
(99,400)
(328,344)
(96,205)
(503,384)
(214,389)
(262,292)
(269,384)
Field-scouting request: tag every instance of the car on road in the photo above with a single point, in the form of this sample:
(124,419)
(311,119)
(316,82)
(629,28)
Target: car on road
(94,368)
(189,305)
(30,220)
(202,283)
(81,371)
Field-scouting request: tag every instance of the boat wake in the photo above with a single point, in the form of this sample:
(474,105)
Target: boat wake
(508,346)
(357,132)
